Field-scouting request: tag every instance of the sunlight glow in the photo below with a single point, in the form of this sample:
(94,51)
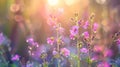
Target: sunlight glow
(52,2)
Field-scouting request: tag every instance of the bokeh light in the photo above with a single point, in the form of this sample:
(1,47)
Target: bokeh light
(59,33)
(53,2)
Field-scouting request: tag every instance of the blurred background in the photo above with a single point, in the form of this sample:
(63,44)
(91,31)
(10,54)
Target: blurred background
(20,19)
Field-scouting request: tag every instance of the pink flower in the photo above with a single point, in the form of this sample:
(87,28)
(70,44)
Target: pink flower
(118,41)
(74,32)
(98,48)
(30,40)
(108,53)
(65,52)
(86,25)
(50,40)
(95,27)
(103,64)
(61,30)
(52,21)
(16,57)
(84,50)
(86,34)
(72,37)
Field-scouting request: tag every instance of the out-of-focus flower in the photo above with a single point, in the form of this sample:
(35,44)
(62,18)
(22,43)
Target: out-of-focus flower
(94,58)
(86,25)
(51,40)
(108,53)
(74,32)
(98,48)
(60,30)
(29,64)
(2,38)
(118,41)
(72,37)
(103,64)
(18,18)
(95,27)
(86,34)
(117,61)
(65,52)
(52,20)
(30,40)
(84,50)
(14,7)
(54,52)
(15,58)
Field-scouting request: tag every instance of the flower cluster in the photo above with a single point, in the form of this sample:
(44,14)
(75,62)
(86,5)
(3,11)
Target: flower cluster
(65,52)
(84,50)
(50,40)
(2,38)
(33,45)
(73,32)
(15,57)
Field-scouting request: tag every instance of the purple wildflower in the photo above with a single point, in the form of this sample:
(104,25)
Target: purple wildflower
(108,53)
(84,50)
(95,26)
(2,38)
(16,57)
(74,31)
(86,25)
(50,40)
(61,30)
(118,41)
(103,64)
(86,34)
(65,52)
(30,40)
(54,52)
(72,37)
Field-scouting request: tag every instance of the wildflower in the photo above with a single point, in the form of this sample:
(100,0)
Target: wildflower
(84,50)
(98,48)
(118,41)
(86,25)
(60,30)
(30,40)
(15,7)
(2,38)
(108,53)
(65,52)
(29,64)
(95,26)
(74,32)
(86,34)
(52,20)
(103,64)
(72,37)
(54,52)
(15,58)
(50,40)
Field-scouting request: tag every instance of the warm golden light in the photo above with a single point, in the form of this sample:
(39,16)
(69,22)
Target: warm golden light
(71,2)
(100,1)
(52,2)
